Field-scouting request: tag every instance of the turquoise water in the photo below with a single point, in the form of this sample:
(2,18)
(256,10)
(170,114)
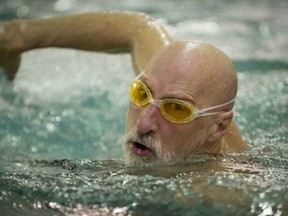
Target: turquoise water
(61,127)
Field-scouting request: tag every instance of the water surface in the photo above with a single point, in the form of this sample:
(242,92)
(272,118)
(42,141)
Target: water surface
(62,123)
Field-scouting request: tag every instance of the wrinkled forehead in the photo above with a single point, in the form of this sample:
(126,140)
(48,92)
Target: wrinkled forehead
(176,62)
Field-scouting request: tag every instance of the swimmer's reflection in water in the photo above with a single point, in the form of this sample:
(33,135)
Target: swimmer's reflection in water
(182,100)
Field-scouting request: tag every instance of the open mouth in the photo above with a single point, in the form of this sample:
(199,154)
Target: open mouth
(141,150)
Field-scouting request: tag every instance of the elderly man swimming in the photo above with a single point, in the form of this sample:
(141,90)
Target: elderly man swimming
(182,98)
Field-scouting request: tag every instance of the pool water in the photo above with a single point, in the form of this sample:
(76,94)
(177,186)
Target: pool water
(62,120)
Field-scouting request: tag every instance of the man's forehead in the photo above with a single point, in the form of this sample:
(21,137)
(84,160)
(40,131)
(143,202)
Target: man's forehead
(175,64)
(164,84)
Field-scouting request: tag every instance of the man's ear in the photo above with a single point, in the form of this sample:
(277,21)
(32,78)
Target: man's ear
(220,126)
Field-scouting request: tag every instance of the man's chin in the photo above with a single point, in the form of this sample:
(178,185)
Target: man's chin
(134,160)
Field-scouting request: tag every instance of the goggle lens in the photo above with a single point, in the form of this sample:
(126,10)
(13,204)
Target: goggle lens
(176,111)
(139,94)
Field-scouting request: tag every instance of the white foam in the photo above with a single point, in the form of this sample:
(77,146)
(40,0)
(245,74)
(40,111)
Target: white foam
(61,75)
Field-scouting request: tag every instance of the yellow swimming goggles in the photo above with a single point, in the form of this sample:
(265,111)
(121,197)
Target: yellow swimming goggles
(174,110)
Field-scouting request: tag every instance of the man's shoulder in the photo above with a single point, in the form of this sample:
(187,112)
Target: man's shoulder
(233,142)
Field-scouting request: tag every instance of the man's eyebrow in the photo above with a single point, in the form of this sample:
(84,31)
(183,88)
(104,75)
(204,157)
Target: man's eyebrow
(185,99)
(168,96)
(148,84)
(143,79)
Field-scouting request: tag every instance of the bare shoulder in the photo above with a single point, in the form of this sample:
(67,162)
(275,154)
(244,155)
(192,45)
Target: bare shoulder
(232,141)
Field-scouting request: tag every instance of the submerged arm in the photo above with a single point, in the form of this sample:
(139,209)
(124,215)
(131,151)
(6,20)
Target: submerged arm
(110,31)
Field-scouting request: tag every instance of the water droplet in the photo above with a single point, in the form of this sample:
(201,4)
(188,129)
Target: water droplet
(34,149)
(51,127)
(22,11)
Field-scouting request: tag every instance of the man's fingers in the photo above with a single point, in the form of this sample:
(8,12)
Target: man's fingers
(11,67)
(9,57)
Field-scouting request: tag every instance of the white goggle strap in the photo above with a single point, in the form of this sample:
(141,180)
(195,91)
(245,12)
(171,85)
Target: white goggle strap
(201,112)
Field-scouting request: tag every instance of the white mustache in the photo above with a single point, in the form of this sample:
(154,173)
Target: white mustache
(144,139)
(147,140)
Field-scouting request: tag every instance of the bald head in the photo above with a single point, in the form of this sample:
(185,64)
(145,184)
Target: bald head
(208,70)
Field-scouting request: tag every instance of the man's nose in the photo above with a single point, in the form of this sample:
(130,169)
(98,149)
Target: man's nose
(148,119)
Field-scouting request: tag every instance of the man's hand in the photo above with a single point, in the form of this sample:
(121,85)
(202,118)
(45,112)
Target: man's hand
(10,64)
(9,55)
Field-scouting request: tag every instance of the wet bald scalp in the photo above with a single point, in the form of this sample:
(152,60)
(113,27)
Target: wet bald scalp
(206,65)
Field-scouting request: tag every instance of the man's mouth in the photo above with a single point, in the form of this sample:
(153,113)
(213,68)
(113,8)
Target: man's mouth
(141,150)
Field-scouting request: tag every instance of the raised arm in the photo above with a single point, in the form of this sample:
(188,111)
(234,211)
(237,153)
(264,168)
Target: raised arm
(107,31)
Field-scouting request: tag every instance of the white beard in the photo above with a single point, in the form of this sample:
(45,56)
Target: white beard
(160,156)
